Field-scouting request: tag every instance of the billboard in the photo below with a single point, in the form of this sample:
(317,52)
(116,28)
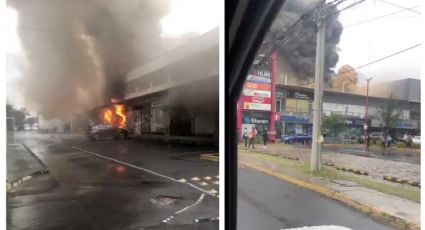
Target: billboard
(257,106)
(257,88)
(256,93)
(260,100)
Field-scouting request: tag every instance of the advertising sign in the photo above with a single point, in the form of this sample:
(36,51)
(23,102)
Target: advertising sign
(257,89)
(256,93)
(256,119)
(258,86)
(258,79)
(257,106)
(261,100)
(406,124)
(295,119)
(356,122)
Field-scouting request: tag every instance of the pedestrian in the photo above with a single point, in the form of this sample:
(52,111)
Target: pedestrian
(383,138)
(265,137)
(245,137)
(252,134)
(405,139)
(409,140)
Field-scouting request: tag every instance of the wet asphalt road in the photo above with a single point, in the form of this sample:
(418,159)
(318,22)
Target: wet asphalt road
(83,191)
(265,202)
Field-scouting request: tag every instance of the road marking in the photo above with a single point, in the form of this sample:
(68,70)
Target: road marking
(213,191)
(192,205)
(182,180)
(144,169)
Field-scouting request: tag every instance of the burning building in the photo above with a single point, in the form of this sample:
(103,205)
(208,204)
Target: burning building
(175,96)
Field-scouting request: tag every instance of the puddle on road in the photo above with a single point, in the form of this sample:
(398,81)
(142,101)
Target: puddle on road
(161,200)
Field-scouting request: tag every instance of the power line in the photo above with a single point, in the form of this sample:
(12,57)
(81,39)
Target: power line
(372,62)
(391,55)
(379,17)
(398,6)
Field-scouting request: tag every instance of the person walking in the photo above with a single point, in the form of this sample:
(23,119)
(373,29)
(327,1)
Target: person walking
(409,140)
(405,139)
(383,140)
(252,134)
(245,137)
(265,137)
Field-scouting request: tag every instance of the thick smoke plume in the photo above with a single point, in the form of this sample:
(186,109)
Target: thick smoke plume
(300,46)
(78,52)
(346,79)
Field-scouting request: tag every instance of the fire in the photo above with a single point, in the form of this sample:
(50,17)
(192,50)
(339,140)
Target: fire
(119,110)
(107,116)
(115,116)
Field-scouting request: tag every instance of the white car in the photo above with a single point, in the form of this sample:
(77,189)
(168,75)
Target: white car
(416,140)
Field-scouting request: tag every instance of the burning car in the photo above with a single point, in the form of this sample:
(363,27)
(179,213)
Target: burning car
(113,125)
(98,132)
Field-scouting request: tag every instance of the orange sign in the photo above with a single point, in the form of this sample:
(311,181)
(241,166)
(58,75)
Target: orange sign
(257,86)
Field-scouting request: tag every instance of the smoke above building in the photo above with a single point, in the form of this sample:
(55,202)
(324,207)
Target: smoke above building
(78,52)
(299,48)
(346,79)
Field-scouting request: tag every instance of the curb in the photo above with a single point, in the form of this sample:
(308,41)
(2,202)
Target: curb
(356,171)
(35,156)
(22,179)
(210,157)
(401,181)
(362,207)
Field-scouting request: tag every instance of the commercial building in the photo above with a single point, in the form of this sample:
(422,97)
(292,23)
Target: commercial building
(175,96)
(294,105)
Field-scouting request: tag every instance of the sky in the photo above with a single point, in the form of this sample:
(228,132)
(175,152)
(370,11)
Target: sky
(369,41)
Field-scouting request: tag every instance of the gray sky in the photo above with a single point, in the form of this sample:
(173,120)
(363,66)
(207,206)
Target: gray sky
(369,41)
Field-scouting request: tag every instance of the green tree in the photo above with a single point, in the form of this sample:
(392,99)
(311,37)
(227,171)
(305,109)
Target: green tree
(388,114)
(335,124)
(31,121)
(19,115)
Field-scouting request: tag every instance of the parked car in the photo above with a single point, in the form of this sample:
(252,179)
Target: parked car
(98,132)
(416,140)
(297,138)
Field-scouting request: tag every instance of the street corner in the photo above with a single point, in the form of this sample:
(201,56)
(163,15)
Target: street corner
(22,165)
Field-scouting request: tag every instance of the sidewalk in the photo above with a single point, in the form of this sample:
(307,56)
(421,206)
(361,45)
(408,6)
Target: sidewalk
(393,210)
(20,163)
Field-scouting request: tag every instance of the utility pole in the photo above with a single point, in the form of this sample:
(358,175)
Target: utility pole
(316,150)
(367,105)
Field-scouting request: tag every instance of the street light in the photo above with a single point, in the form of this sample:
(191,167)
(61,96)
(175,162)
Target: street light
(367,104)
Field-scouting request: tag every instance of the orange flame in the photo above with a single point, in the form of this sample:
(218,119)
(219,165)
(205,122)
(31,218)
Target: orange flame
(115,116)
(107,116)
(119,110)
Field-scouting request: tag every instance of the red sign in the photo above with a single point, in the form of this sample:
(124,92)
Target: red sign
(258,86)
(259,100)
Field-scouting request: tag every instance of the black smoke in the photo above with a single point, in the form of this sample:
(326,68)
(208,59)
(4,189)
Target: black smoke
(299,46)
(78,51)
